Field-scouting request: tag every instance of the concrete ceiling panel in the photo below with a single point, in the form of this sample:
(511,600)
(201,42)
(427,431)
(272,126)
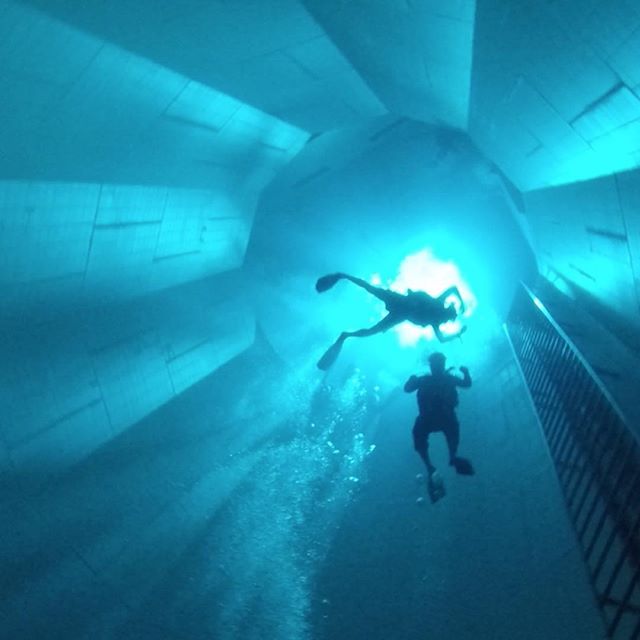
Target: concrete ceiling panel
(271,55)
(405,50)
(562,55)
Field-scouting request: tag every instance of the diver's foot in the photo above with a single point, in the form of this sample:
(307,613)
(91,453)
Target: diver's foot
(462,466)
(435,487)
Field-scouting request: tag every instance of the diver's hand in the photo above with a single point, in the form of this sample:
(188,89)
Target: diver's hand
(465,370)
(411,384)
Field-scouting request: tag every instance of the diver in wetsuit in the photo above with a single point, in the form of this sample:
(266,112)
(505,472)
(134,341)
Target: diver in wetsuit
(437,402)
(417,307)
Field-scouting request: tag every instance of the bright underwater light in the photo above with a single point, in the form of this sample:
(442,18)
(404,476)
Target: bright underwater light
(424,271)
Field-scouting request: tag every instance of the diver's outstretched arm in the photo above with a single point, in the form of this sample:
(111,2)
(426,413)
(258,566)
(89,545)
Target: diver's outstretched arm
(465,383)
(411,384)
(456,292)
(448,337)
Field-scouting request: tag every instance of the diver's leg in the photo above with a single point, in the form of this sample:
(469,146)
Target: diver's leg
(387,322)
(463,466)
(331,354)
(452,434)
(421,443)
(386,295)
(379,292)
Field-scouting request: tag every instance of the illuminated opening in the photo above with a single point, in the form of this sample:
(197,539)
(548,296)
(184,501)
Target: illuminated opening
(424,271)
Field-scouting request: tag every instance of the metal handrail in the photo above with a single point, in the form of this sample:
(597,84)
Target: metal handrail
(596,455)
(594,376)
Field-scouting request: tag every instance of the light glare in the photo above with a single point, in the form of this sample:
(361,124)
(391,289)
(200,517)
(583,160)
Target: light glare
(423,271)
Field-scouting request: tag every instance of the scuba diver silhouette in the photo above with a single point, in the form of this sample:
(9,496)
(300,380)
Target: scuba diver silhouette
(437,401)
(417,307)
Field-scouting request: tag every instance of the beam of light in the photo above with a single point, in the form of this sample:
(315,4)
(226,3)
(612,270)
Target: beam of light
(424,271)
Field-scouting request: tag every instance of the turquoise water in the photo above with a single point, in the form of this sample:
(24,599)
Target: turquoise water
(174,177)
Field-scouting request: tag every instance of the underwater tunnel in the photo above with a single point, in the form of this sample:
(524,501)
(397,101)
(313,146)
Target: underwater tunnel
(175,177)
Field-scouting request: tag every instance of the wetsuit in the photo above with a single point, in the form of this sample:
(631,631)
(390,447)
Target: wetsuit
(437,402)
(417,307)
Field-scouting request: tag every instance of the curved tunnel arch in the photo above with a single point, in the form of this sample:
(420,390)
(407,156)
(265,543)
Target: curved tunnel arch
(414,188)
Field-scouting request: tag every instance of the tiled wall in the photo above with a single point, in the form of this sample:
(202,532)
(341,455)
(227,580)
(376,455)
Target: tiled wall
(555,92)
(72,384)
(416,56)
(87,550)
(118,176)
(79,109)
(74,244)
(587,234)
(272,55)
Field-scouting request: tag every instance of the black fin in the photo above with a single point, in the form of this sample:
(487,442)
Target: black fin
(326,282)
(463,466)
(435,487)
(330,355)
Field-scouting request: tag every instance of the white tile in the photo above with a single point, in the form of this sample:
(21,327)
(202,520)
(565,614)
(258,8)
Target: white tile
(124,204)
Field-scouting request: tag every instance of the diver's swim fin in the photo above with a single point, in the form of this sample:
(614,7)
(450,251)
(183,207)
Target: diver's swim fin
(463,466)
(326,282)
(330,355)
(435,487)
